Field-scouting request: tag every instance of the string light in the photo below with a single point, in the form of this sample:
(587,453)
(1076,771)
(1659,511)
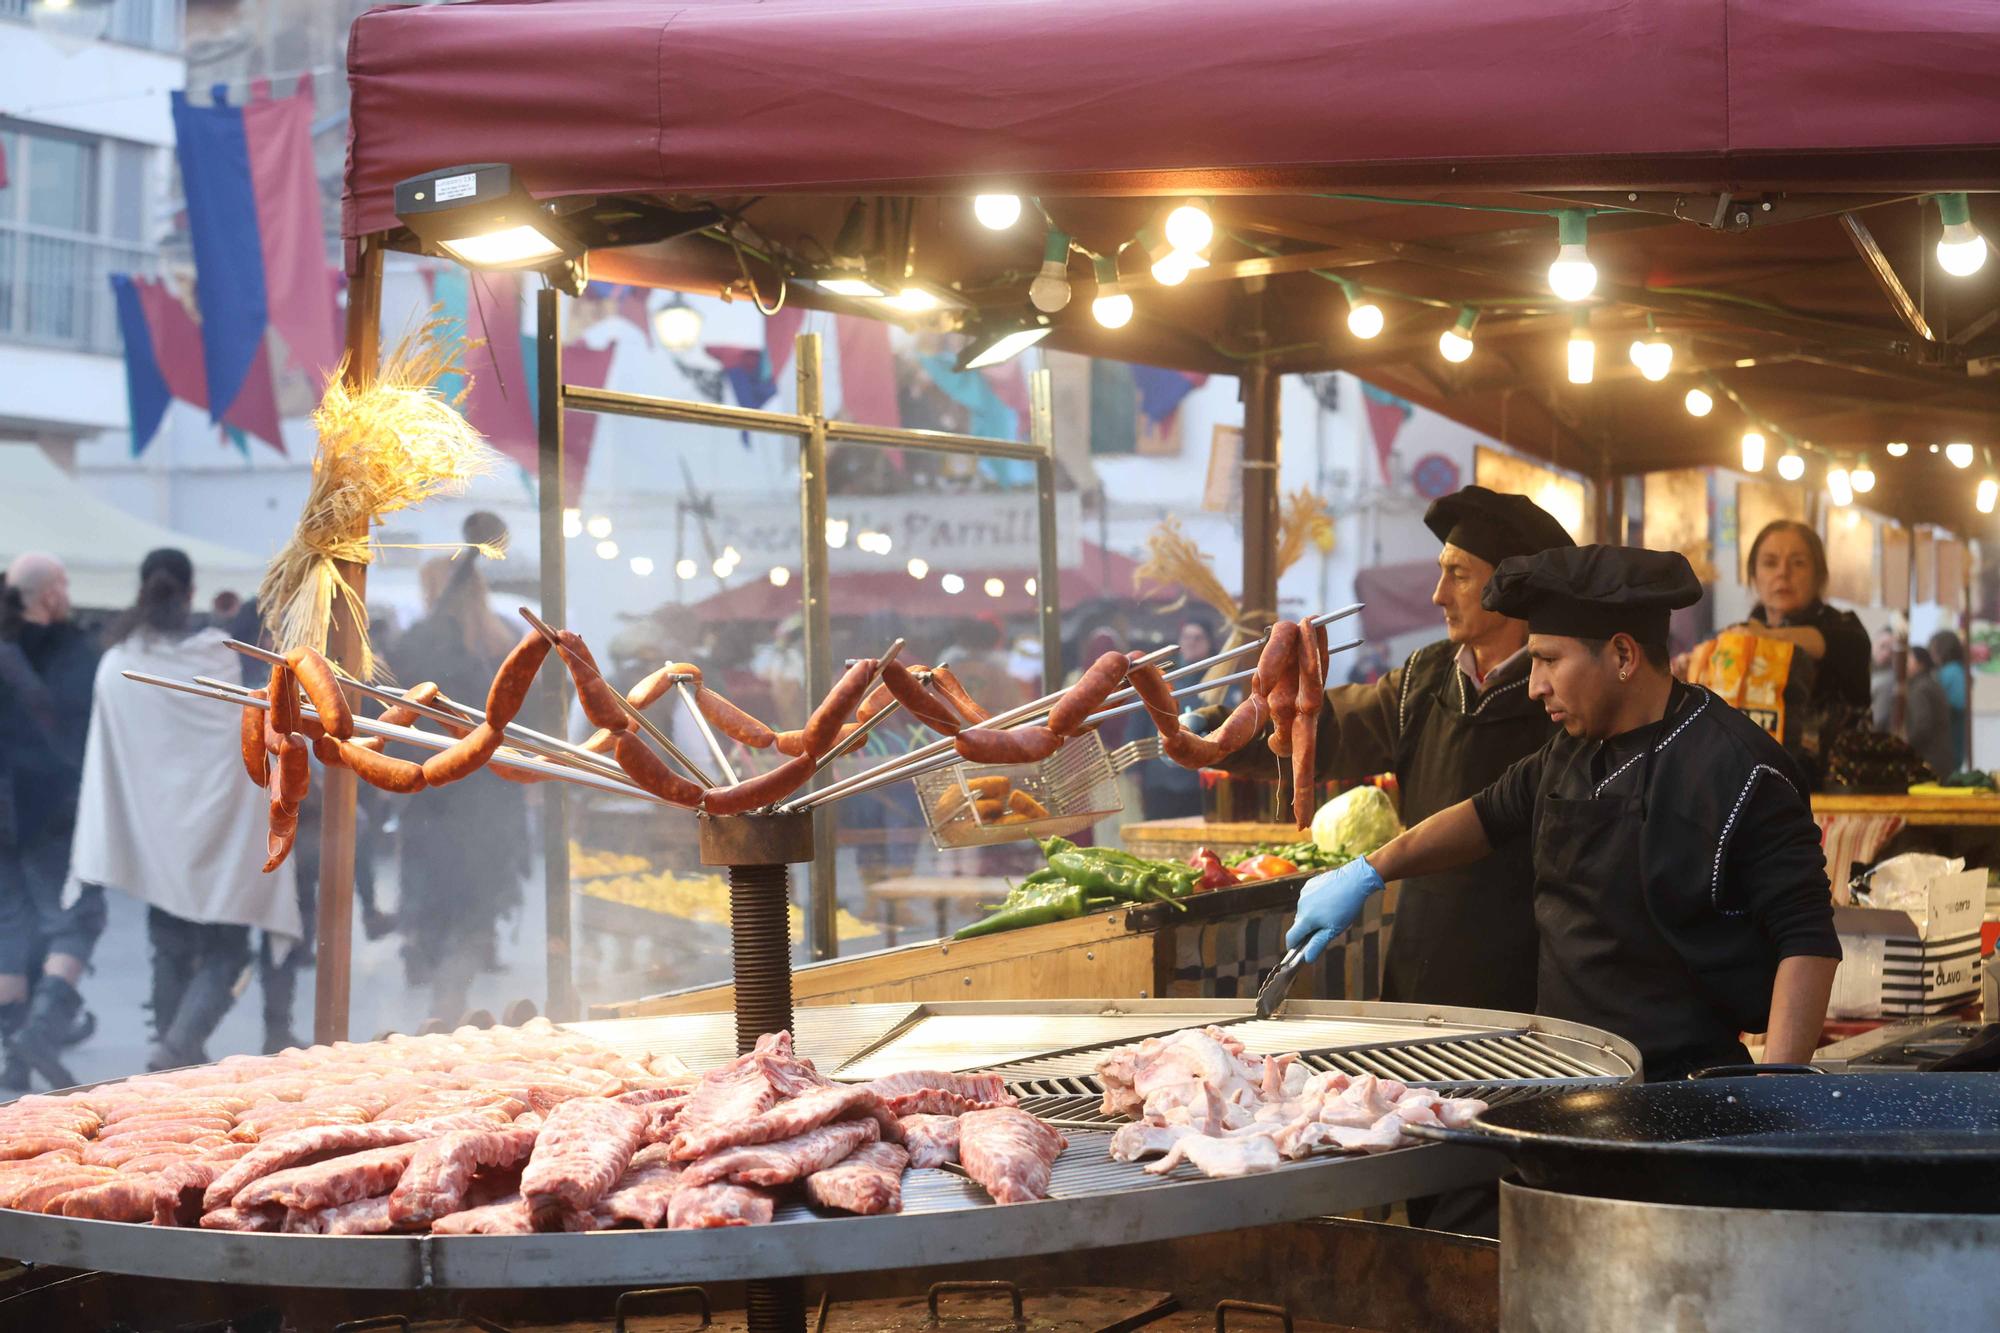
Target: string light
(952,584)
(1112,308)
(1839,486)
(599,525)
(1582,349)
(1654,357)
(918,567)
(780,576)
(1049,292)
(1753,451)
(995,587)
(1863,476)
(684,568)
(1364,317)
(997,212)
(642,565)
(1029,587)
(1189,227)
(1897,449)
(1961,251)
(607,550)
(1572,276)
(721,568)
(1989,490)
(1791,466)
(1699,403)
(836,533)
(572,524)
(678,327)
(1455,343)
(1958,454)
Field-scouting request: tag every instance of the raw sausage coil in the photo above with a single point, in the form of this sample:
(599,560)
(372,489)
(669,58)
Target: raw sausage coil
(1088,694)
(509,689)
(842,699)
(381,770)
(1237,730)
(284,831)
(294,771)
(255,761)
(651,772)
(600,702)
(732,721)
(910,692)
(1278,660)
(1018,745)
(945,683)
(1305,724)
(322,686)
(762,790)
(463,758)
(794,742)
(1157,693)
(282,718)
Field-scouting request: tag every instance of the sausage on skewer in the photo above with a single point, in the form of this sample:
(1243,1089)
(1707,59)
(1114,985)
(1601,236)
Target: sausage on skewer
(1237,730)
(509,689)
(281,719)
(824,724)
(1157,693)
(732,721)
(464,757)
(956,695)
(294,771)
(1017,745)
(600,702)
(1088,694)
(255,761)
(762,790)
(316,675)
(910,692)
(1305,727)
(651,772)
(381,770)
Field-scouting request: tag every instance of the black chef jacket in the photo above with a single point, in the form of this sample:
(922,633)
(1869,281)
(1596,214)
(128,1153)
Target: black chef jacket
(1675,866)
(1465,937)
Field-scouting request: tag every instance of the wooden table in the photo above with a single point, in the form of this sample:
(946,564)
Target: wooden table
(943,890)
(1176,839)
(1916,811)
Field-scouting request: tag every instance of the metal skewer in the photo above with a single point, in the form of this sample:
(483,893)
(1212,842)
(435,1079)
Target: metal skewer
(458,714)
(701,724)
(860,735)
(645,724)
(410,736)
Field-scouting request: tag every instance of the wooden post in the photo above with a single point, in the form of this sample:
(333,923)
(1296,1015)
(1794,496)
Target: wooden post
(333,953)
(1260,493)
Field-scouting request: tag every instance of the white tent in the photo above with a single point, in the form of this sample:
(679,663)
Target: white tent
(42,508)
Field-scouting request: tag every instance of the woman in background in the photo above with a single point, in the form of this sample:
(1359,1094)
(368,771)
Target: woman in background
(1948,651)
(1788,569)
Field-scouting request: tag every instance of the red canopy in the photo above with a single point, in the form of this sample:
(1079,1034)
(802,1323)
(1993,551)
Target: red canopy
(727,97)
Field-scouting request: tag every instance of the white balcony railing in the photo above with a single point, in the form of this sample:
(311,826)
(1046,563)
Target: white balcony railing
(152,24)
(56,290)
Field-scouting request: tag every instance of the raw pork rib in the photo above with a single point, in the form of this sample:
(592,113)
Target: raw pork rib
(786,1120)
(178,1201)
(129,1198)
(699,1207)
(644,1191)
(931,1139)
(1009,1152)
(935,1092)
(506,1217)
(440,1174)
(302,1145)
(363,1217)
(868,1181)
(305,1189)
(584,1147)
(786,1160)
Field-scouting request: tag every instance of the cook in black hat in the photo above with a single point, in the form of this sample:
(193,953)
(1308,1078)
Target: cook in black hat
(1450,720)
(1679,887)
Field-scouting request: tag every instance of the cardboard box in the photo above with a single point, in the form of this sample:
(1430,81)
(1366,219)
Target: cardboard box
(1909,963)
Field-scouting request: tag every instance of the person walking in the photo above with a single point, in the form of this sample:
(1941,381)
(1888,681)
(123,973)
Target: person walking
(1948,652)
(1927,718)
(165,817)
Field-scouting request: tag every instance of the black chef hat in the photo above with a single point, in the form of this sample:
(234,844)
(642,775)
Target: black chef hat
(1493,525)
(1594,592)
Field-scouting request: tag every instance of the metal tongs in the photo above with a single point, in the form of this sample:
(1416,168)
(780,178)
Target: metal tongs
(1279,984)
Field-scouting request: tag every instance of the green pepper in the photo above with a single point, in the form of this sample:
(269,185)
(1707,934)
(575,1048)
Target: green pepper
(1046,875)
(1051,846)
(1027,906)
(1100,875)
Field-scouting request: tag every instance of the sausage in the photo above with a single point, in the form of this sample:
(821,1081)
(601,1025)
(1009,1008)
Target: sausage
(294,771)
(910,693)
(322,686)
(462,758)
(1017,745)
(283,832)
(945,683)
(841,700)
(878,699)
(794,742)
(650,690)
(1305,725)
(1283,705)
(1237,730)
(424,693)
(255,761)
(732,721)
(651,772)
(600,741)
(282,718)
(381,770)
(1157,693)
(600,702)
(310,727)
(327,750)
(762,790)
(1278,660)
(1088,694)
(509,689)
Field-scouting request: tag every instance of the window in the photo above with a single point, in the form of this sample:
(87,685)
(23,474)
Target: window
(153,24)
(73,213)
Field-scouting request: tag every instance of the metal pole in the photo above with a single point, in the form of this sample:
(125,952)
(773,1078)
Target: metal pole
(1260,494)
(553,688)
(333,946)
(824,900)
(1048,592)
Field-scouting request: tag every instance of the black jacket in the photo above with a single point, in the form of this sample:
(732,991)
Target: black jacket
(48,777)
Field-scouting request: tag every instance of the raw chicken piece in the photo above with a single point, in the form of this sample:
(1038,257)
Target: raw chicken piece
(1205,1055)
(1139,1140)
(868,1181)
(931,1139)
(1119,1071)
(1009,1152)
(1242,1155)
(1381,1136)
(780,1163)
(581,1152)
(720,1205)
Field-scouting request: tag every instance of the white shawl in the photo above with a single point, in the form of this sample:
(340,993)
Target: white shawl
(166,814)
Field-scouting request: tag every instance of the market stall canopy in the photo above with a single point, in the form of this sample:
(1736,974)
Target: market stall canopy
(1757,172)
(43,508)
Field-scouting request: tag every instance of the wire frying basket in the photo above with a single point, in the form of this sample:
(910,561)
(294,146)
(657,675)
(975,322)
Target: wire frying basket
(978,805)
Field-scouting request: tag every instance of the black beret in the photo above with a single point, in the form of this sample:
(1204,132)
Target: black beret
(1594,592)
(1493,525)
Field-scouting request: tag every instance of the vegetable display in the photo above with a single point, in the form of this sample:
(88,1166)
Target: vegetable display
(1077,880)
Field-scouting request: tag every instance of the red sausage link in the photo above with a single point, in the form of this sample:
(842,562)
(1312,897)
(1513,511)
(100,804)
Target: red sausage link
(509,689)
(910,692)
(651,772)
(294,771)
(463,758)
(600,741)
(284,830)
(732,721)
(381,770)
(878,699)
(945,683)
(600,702)
(1157,693)
(762,790)
(282,718)
(1088,694)
(794,742)
(327,750)
(1018,745)
(322,686)
(824,724)
(1237,730)
(1278,660)
(256,762)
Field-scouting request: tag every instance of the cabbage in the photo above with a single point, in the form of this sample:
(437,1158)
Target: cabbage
(1356,822)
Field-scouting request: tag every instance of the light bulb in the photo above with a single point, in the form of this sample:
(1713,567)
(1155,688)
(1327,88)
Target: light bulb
(607,550)
(1959,455)
(997,212)
(1112,308)
(1189,227)
(1863,476)
(1364,319)
(884,543)
(918,567)
(1049,292)
(732,555)
(1897,449)
(952,584)
(1989,489)
(678,327)
(1699,404)
(1753,451)
(995,587)
(1171,269)
(1839,486)
(642,565)
(1654,358)
(572,524)
(836,532)
(1455,343)
(721,568)
(1961,250)
(780,576)
(914,301)
(1791,466)
(1572,276)
(1029,587)
(1582,350)
(684,568)
(599,525)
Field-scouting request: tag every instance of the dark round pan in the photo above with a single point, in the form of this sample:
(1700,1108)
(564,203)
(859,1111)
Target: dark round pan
(1925,1143)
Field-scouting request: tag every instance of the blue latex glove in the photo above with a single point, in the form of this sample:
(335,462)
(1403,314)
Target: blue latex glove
(1329,903)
